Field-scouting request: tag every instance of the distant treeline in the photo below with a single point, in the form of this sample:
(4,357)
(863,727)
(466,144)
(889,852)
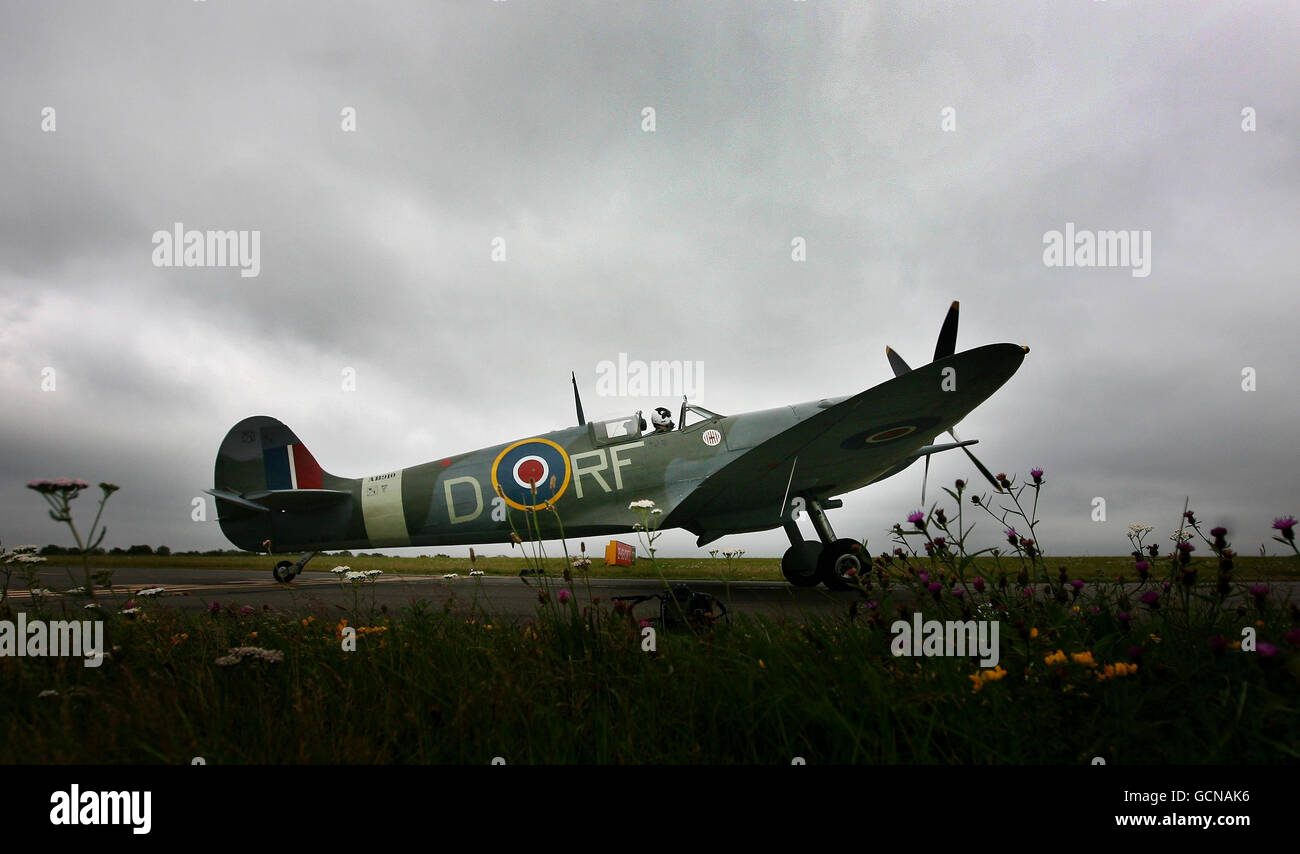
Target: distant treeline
(162,551)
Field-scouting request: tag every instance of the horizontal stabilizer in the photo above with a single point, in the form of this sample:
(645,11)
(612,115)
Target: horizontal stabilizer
(267,500)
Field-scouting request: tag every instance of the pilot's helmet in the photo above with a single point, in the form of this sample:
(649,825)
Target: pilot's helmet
(662,419)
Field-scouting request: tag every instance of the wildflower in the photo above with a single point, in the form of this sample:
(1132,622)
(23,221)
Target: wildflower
(1011,535)
(978,582)
(1037,475)
(1151,599)
(1259,591)
(1085,658)
(563,596)
(1143,569)
(1190,516)
(474,572)
(339,570)
(1138,529)
(982,677)
(1057,657)
(761,664)
(641,504)
(66,485)
(1185,550)
(916,517)
(214,607)
(246,611)
(961,484)
(451,575)
(935,589)
(1265,649)
(1286,524)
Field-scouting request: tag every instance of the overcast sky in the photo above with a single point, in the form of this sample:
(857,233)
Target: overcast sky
(523,120)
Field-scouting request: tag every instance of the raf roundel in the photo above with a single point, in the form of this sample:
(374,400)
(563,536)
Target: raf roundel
(531,474)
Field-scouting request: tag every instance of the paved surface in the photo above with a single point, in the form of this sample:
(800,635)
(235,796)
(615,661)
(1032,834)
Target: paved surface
(500,596)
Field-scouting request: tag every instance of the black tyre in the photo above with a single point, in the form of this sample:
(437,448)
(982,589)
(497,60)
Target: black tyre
(283,571)
(799,564)
(841,563)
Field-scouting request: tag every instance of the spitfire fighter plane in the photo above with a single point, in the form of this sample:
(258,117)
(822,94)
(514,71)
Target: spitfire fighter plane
(711,475)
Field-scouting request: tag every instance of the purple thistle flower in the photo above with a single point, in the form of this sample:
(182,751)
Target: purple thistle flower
(1143,569)
(1286,524)
(1077,584)
(916,517)
(1265,649)
(214,607)
(1037,475)
(978,581)
(563,596)
(1151,599)
(245,611)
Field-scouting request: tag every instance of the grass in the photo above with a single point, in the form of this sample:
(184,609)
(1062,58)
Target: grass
(425,686)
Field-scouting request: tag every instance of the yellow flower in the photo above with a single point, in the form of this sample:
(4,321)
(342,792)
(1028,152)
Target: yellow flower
(1033,633)
(1155,638)
(1057,657)
(1084,658)
(1119,668)
(761,664)
(979,677)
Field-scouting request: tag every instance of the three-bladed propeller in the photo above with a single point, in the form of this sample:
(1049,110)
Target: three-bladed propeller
(943,348)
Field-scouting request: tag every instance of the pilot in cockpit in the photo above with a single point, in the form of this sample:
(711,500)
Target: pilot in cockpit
(662,419)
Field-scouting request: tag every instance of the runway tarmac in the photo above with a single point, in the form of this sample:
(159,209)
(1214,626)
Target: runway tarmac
(500,596)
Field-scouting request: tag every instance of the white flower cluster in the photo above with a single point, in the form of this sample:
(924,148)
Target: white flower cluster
(452,575)
(250,653)
(1180,536)
(642,504)
(732,552)
(357,576)
(21,554)
(474,572)
(1137,529)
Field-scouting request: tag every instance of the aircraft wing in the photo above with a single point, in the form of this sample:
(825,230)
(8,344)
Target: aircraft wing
(846,446)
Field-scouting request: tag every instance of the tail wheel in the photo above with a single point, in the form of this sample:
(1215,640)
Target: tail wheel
(283,571)
(799,564)
(841,563)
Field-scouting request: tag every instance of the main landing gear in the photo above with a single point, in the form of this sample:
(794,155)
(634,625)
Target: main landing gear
(834,562)
(287,570)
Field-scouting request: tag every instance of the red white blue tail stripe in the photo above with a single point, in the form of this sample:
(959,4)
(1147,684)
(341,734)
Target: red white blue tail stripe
(292,467)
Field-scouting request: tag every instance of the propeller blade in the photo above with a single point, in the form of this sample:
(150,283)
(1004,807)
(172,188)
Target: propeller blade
(988,475)
(896,362)
(947,344)
(925,478)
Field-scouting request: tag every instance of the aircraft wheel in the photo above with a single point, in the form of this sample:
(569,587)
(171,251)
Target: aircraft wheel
(799,564)
(283,571)
(839,559)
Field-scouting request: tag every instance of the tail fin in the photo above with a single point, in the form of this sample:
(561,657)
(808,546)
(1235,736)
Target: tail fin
(261,454)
